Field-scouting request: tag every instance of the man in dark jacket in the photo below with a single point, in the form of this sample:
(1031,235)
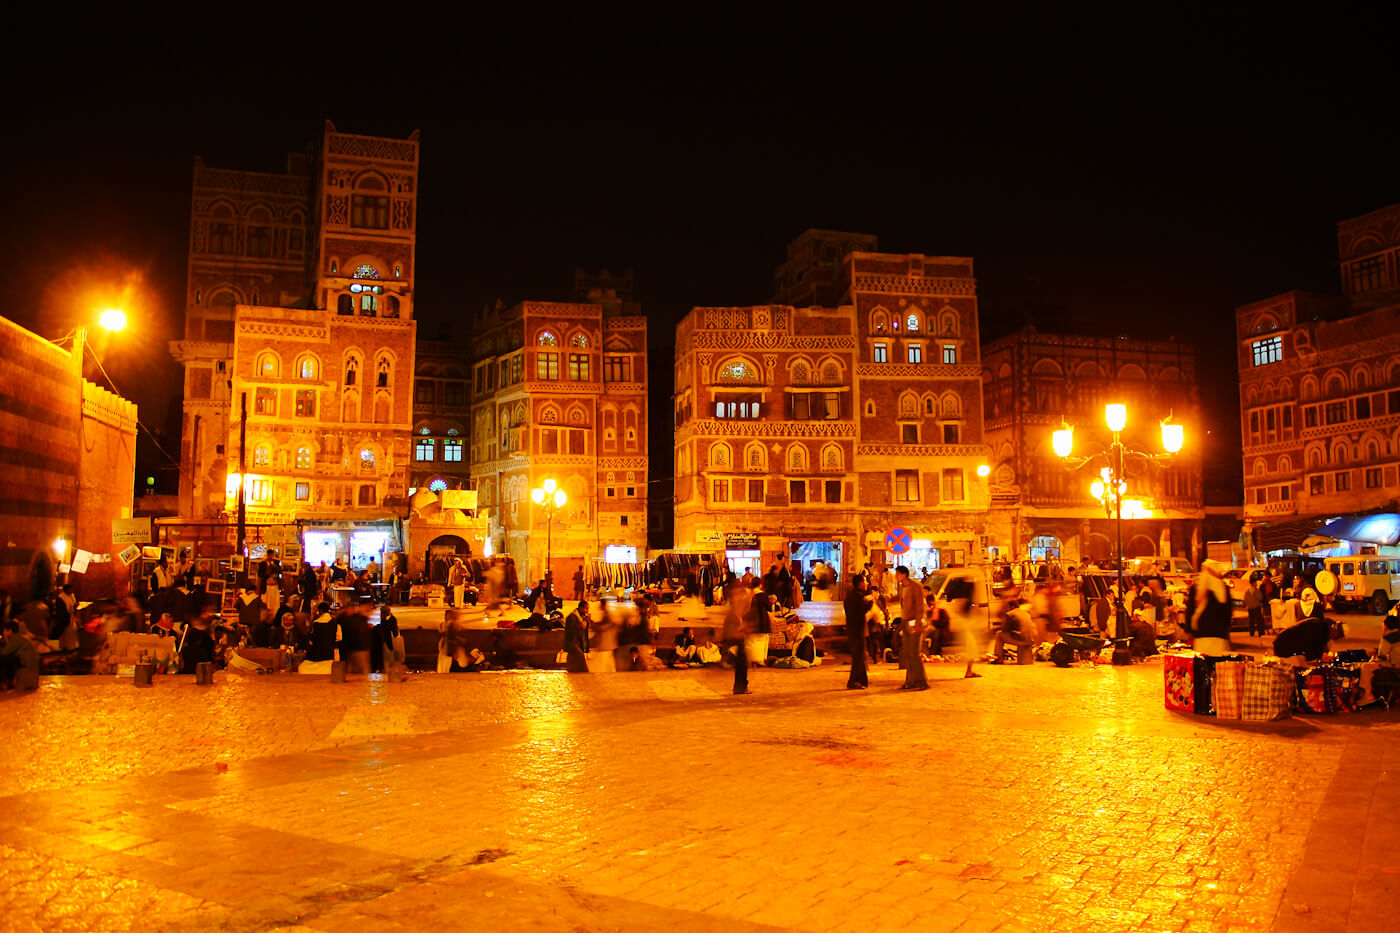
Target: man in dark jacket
(1307,639)
(856,606)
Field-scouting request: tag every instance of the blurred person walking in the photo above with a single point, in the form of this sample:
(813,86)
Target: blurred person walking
(911,605)
(857,607)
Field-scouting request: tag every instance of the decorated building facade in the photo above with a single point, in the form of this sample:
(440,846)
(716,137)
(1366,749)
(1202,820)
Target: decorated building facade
(815,432)
(1035,383)
(559,393)
(300,311)
(1320,392)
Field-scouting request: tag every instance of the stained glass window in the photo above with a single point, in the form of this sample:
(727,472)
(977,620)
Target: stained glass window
(452,432)
(437,485)
(579,340)
(913,324)
(738,371)
(547,339)
(365,271)
(367,456)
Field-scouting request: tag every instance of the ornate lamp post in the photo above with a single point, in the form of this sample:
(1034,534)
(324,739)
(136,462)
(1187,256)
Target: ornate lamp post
(1109,490)
(551,498)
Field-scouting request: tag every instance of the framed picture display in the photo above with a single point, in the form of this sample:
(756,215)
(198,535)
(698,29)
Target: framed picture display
(291,552)
(215,588)
(291,565)
(236,563)
(204,566)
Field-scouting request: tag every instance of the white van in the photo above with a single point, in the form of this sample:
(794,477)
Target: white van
(1364,582)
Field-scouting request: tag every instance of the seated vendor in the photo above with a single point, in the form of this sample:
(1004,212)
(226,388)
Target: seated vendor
(1018,629)
(1307,640)
(1144,637)
(804,649)
(707,652)
(685,649)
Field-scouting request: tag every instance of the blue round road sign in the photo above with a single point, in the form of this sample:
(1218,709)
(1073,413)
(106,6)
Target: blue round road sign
(898,540)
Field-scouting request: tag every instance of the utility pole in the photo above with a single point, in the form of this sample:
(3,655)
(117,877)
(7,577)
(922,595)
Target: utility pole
(242,486)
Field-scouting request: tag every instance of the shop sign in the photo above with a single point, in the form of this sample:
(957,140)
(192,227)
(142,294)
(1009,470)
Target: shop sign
(709,536)
(898,540)
(742,541)
(620,554)
(464,499)
(131,530)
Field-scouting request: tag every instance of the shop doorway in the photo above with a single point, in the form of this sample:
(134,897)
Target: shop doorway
(922,556)
(741,560)
(805,555)
(1043,548)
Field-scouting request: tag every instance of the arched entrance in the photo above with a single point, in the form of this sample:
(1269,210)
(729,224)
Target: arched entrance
(1098,548)
(440,552)
(1043,547)
(1139,546)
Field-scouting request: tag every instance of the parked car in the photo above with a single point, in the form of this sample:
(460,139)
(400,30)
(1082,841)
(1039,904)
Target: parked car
(1289,566)
(1364,582)
(1237,581)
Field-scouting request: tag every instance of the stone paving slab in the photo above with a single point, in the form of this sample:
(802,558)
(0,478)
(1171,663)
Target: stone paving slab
(1032,798)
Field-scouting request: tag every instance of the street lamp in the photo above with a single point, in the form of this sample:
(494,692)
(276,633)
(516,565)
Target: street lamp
(1109,489)
(551,498)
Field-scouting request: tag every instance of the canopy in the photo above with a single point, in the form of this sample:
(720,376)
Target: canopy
(1287,536)
(1379,528)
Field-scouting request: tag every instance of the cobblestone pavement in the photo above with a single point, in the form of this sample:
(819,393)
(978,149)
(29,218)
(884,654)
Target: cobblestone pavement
(1032,799)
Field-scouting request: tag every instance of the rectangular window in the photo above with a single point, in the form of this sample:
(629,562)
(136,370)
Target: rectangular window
(260,490)
(832,491)
(1373,478)
(906,485)
(797,491)
(1310,416)
(1268,350)
(632,492)
(831,405)
(456,393)
(578,367)
(1259,497)
(1285,493)
(369,212)
(909,434)
(1367,275)
(306,403)
(1269,420)
(452,451)
(1315,485)
(517,367)
(719,492)
(505,373)
(1343,482)
(801,406)
(881,352)
(950,354)
(221,238)
(617,368)
(1254,427)
(423,393)
(736,409)
(576,442)
(423,449)
(265,402)
(952,485)
(756,490)
(296,242)
(1334,412)
(950,434)
(612,492)
(549,441)
(303,492)
(367,495)
(1363,407)
(916,353)
(546,365)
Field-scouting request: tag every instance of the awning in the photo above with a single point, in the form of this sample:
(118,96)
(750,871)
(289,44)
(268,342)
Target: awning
(1378,528)
(1287,536)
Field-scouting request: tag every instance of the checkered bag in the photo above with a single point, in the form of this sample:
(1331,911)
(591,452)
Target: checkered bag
(1178,675)
(1227,690)
(1268,693)
(1350,695)
(1317,691)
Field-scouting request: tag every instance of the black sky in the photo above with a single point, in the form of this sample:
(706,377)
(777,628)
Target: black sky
(1147,172)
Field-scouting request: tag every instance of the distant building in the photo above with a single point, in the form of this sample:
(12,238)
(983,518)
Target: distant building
(814,432)
(1320,392)
(1034,382)
(300,303)
(70,452)
(559,392)
(815,271)
(441,416)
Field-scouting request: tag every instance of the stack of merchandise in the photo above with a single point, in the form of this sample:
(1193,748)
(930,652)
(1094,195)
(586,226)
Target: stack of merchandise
(1230,687)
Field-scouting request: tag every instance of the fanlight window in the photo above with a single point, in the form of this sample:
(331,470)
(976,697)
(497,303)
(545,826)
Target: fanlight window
(437,485)
(365,271)
(303,458)
(831,458)
(738,371)
(547,339)
(579,340)
(912,323)
(800,374)
(831,373)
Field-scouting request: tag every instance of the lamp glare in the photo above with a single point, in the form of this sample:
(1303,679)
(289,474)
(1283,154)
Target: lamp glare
(113,319)
(1063,441)
(1116,416)
(550,485)
(560,497)
(538,495)
(983,470)
(1173,437)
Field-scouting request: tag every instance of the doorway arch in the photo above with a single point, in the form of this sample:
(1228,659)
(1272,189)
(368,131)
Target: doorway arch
(1140,546)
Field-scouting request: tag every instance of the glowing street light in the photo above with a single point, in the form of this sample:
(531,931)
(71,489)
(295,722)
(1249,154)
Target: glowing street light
(1063,440)
(1173,436)
(983,470)
(551,498)
(113,319)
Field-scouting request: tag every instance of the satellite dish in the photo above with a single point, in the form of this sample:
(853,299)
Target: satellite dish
(1326,583)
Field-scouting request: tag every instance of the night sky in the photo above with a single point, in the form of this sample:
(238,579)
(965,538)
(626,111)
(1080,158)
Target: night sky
(1143,176)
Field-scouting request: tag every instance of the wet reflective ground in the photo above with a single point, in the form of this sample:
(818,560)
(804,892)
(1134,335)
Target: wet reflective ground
(1033,798)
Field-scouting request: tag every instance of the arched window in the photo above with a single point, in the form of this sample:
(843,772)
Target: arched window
(578,340)
(948,324)
(755,457)
(345,305)
(261,456)
(364,271)
(1314,457)
(879,321)
(352,367)
(367,495)
(952,405)
(547,339)
(437,485)
(929,407)
(911,323)
(1359,378)
(831,457)
(369,305)
(335,267)
(303,458)
(549,415)
(797,458)
(720,456)
(831,373)
(366,459)
(1259,467)
(908,405)
(738,371)
(381,373)
(801,375)
(308,367)
(869,409)
(392,309)
(267,365)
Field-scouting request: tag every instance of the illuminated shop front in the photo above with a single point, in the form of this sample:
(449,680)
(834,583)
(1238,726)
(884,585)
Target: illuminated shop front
(357,542)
